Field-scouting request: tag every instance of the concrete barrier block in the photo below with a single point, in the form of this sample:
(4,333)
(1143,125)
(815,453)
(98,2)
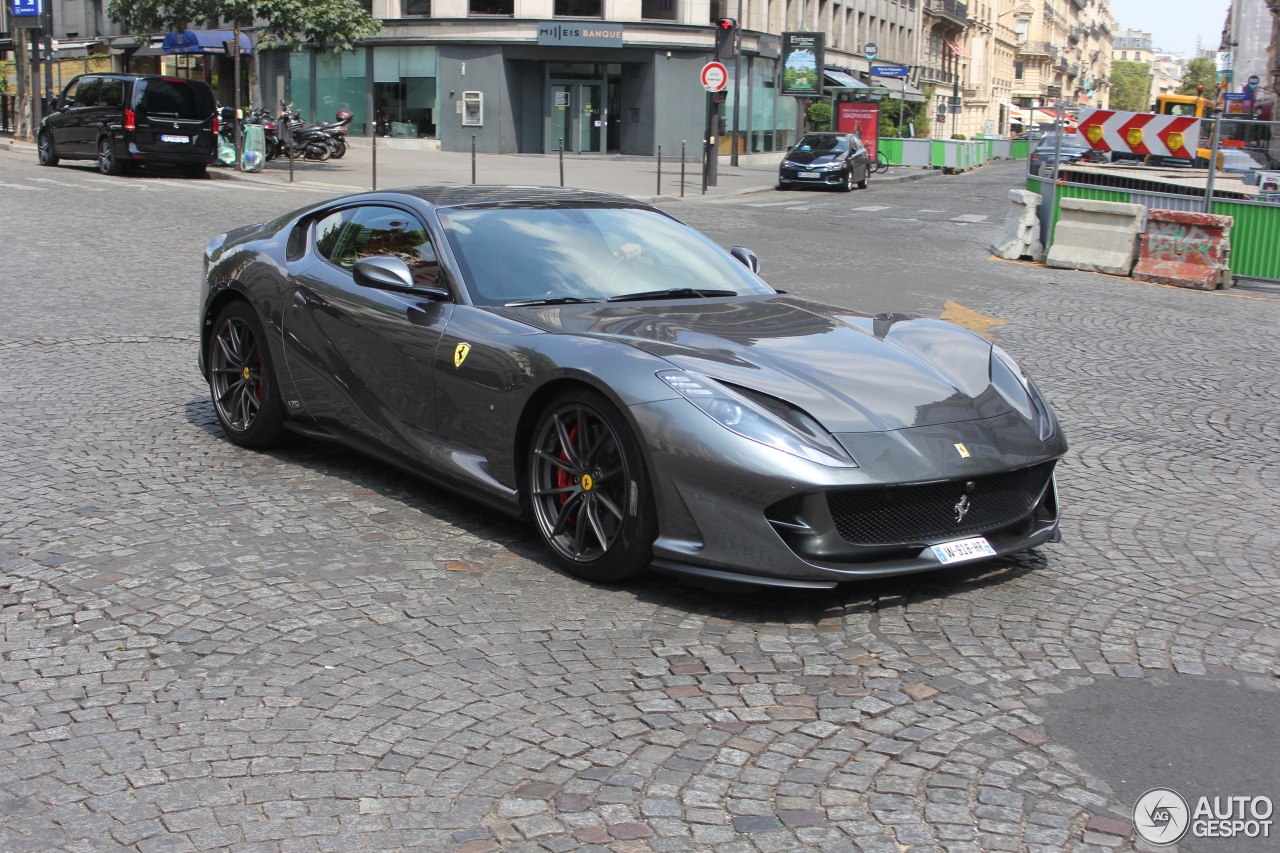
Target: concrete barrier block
(1097,236)
(1186,249)
(1021,237)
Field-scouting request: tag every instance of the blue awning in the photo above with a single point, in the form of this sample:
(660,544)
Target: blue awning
(842,80)
(203,41)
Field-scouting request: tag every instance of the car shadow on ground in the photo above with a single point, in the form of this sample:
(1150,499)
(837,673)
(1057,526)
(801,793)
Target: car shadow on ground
(736,603)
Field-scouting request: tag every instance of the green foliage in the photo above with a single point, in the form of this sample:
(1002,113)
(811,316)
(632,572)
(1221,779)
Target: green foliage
(1130,86)
(959,136)
(335,24)
(1200,72)
(819,113)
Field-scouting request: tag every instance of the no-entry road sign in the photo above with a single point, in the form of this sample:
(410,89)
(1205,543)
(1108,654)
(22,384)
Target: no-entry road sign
(714,76)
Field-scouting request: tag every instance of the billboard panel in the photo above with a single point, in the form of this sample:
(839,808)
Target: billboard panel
(802,64)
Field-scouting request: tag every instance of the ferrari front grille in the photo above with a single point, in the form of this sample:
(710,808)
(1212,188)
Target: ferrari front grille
(899,515)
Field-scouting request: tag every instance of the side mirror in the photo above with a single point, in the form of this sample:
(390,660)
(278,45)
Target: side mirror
(746,257)
(387,272)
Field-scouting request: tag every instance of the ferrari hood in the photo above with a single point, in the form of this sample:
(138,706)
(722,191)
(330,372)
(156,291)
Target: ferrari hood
(853,372)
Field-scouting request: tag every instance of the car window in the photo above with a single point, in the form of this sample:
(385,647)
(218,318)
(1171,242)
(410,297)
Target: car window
(509,254)
(87,91)
(345,236)
(824,144)
(175,98)
(111,94)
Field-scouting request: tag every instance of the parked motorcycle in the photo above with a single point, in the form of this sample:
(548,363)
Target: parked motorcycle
(332,135)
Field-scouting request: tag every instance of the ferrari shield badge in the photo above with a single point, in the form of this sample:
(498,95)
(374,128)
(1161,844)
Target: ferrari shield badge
(460,353)
(963,451)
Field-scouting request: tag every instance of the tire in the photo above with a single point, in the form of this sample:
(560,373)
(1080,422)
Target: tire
(846,186)
(881,164)
(339,149)
(108,164)
(589,490)
(242,379)
(866,176)
(45,153)
(318,151)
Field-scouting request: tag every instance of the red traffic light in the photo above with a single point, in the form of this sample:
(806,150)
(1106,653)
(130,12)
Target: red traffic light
(726,23)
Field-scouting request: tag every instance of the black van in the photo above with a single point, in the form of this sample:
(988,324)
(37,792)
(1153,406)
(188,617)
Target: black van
(127,120)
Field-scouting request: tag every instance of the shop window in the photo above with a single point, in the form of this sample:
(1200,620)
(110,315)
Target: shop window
(658,10)
(579,9)
(491,7)
(415,8)
(404,91)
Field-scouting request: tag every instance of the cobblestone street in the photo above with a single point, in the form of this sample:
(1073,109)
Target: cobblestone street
(205,648)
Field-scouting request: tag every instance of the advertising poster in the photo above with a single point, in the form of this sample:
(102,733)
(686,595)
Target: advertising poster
(802,63)
(860,117)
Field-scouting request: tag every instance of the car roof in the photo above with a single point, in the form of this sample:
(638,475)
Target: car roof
(474,195)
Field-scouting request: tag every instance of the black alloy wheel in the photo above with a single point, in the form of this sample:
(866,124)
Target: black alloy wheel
(107,162)
(44,150)
(589,490)
(242,380)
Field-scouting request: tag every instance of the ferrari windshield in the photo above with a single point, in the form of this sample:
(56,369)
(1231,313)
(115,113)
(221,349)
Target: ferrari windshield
(538,255)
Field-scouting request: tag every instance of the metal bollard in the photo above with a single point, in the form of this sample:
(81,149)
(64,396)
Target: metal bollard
(473,158)
(681,168)
(659,191)
(562,161)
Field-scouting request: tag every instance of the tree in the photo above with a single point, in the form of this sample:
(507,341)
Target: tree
(334,24)
(1200,72)
(1130,86)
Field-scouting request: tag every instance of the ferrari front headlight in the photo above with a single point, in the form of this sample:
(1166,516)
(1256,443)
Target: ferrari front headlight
(1016,387)
(779,426)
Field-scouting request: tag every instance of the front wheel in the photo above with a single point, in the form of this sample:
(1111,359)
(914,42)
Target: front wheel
(866,176)
(846,184)
(242,379)
(882,162)
(589,490)
(44,151)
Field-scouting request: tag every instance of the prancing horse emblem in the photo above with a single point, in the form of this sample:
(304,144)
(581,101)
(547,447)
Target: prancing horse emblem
(962,508)
(460,354)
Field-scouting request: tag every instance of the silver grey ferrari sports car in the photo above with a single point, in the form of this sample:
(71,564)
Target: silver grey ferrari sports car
(642,395)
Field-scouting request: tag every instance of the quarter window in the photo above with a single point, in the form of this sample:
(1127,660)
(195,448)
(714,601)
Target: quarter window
(345,236)
(87,92)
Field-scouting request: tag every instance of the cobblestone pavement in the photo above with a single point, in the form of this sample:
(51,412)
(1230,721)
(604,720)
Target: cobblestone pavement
(205,648)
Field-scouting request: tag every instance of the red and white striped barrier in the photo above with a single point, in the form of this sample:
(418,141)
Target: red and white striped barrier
(1140,133)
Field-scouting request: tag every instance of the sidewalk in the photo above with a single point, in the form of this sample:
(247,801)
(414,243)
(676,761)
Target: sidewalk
(635,177)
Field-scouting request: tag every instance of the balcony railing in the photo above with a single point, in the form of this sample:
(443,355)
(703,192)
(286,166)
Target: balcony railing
(929,74)
(1073,70)
(1037,48)
(1075,32)
(953,9)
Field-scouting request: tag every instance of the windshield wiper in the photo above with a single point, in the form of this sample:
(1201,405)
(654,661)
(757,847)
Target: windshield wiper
(550,300)
(672,293)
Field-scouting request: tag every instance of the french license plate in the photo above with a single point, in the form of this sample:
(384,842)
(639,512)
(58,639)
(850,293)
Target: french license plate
(168,137)
(808,174)
(964,549)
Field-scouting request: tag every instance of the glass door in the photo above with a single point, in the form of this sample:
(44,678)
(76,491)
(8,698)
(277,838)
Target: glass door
(579,115)
(564,118)
(594,118)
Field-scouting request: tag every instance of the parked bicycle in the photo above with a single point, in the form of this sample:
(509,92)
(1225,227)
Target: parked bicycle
(881,164)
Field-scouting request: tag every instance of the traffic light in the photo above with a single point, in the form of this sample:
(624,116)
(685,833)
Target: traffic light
(726,38)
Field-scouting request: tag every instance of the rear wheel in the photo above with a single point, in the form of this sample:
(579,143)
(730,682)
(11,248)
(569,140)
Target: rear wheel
(242,379)
(339,148)
(590,493)
(108,164)
(44,151)
(866,175)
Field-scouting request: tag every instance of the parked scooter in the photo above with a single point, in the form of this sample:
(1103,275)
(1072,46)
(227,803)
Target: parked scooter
(332,134)
(302,140)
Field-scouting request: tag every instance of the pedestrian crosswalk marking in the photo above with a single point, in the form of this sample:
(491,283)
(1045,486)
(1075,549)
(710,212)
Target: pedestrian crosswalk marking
(22,187)
(770,204)
(970,217)
(871,208)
